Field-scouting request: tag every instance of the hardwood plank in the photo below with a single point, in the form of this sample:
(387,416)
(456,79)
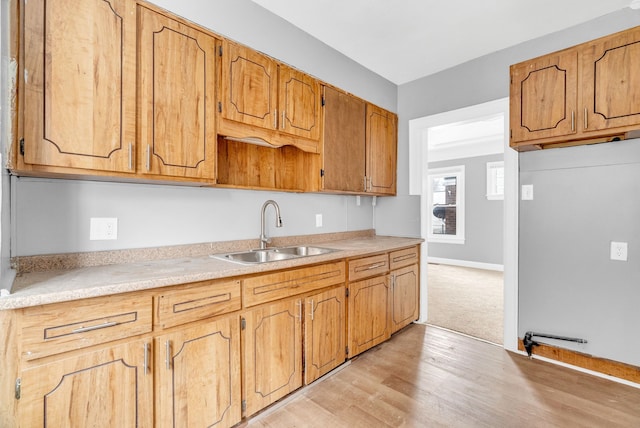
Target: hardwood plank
(426,376)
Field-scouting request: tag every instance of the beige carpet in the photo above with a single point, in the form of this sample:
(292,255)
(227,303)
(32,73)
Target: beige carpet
(466,300)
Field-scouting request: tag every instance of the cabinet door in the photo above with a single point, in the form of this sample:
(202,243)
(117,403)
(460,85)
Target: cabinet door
(543,97)
(344,142)
(199,376)
(369,308)
(177,96)
(80,84)
(381,148)
(405,301)
(324,331)
(111,387)
(300,102)
(249,87)
(272,353)
(611,81)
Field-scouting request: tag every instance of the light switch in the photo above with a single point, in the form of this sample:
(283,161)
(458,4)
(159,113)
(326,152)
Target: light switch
(527,192)
(318,220)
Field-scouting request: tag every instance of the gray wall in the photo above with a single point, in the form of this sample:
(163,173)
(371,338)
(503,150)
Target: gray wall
(486,79)
(52,216)
(483,218)
(584,198)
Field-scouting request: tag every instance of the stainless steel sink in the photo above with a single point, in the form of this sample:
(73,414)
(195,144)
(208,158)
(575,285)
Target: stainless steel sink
(272,254)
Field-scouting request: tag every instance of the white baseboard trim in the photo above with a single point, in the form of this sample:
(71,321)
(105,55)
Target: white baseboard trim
(465,263)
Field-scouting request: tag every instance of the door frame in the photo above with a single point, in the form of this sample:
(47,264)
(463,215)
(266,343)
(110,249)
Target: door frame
(418,139)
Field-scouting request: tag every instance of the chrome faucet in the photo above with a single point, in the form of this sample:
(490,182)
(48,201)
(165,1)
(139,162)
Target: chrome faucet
(263,238)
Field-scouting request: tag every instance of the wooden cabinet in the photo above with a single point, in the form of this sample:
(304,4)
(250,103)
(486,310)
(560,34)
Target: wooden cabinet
(543,100)
(369,309)
(79,88)
(610,73)
(108,387)
(199,375)
(85,381)
(405,287)
(343,149)
(272,353)
(324,333)
(176,106)
(581,95)
(267,100)
(369,303)
(360,144)
(381,148)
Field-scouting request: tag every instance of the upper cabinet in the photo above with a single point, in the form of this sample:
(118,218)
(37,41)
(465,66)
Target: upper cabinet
(381,139)
(176,109)
(585,94)
(610,71)
(123,90)
(263,99)
(79,85)
(360,143)
(344,142)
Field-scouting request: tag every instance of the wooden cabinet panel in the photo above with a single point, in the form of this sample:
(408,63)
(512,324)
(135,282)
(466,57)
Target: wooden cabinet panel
(324,341)
(369,309)
(272,353)
(249,86)
(199,376)
(543,99)
(300,103)
(110,387)
(405,257)
(60,327)
(381,143)
(196,301)
(344,142)
(279,285)
(80,90)
(177,72)
(405,302)
(368,266)
(611,81)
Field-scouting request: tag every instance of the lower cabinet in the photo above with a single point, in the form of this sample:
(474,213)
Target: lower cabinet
(198,374)
(272,353)
(369,309)
(405,301)
(109,387)
(324,333)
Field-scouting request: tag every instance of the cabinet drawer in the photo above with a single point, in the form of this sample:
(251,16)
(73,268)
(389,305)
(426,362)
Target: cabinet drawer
(368,266)
(196,301)
(266,288)
(402,258)
(60,327)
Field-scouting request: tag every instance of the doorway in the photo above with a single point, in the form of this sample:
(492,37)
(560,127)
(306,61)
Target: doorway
(422,133)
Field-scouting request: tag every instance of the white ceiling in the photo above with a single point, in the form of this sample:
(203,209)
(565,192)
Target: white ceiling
(404,40)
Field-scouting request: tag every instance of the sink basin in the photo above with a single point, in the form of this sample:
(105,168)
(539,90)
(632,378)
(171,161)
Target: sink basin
(303,251)
(272,254)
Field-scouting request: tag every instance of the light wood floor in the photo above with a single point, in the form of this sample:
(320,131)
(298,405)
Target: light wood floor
(430,377)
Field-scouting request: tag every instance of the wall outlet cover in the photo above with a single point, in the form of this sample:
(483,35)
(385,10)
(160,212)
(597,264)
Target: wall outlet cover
(103,228)
(618,251)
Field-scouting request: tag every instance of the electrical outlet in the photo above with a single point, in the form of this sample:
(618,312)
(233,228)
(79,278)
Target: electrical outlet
(103,228)
(619,251)
(318,220)
(527,192)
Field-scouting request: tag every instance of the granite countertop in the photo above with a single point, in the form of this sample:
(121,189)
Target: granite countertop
(51,286)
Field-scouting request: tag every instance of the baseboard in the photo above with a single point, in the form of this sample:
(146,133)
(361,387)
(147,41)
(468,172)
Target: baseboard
(465,263)
(588,362)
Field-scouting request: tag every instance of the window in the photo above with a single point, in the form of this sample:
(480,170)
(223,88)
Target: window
(446,205)
(495,180)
